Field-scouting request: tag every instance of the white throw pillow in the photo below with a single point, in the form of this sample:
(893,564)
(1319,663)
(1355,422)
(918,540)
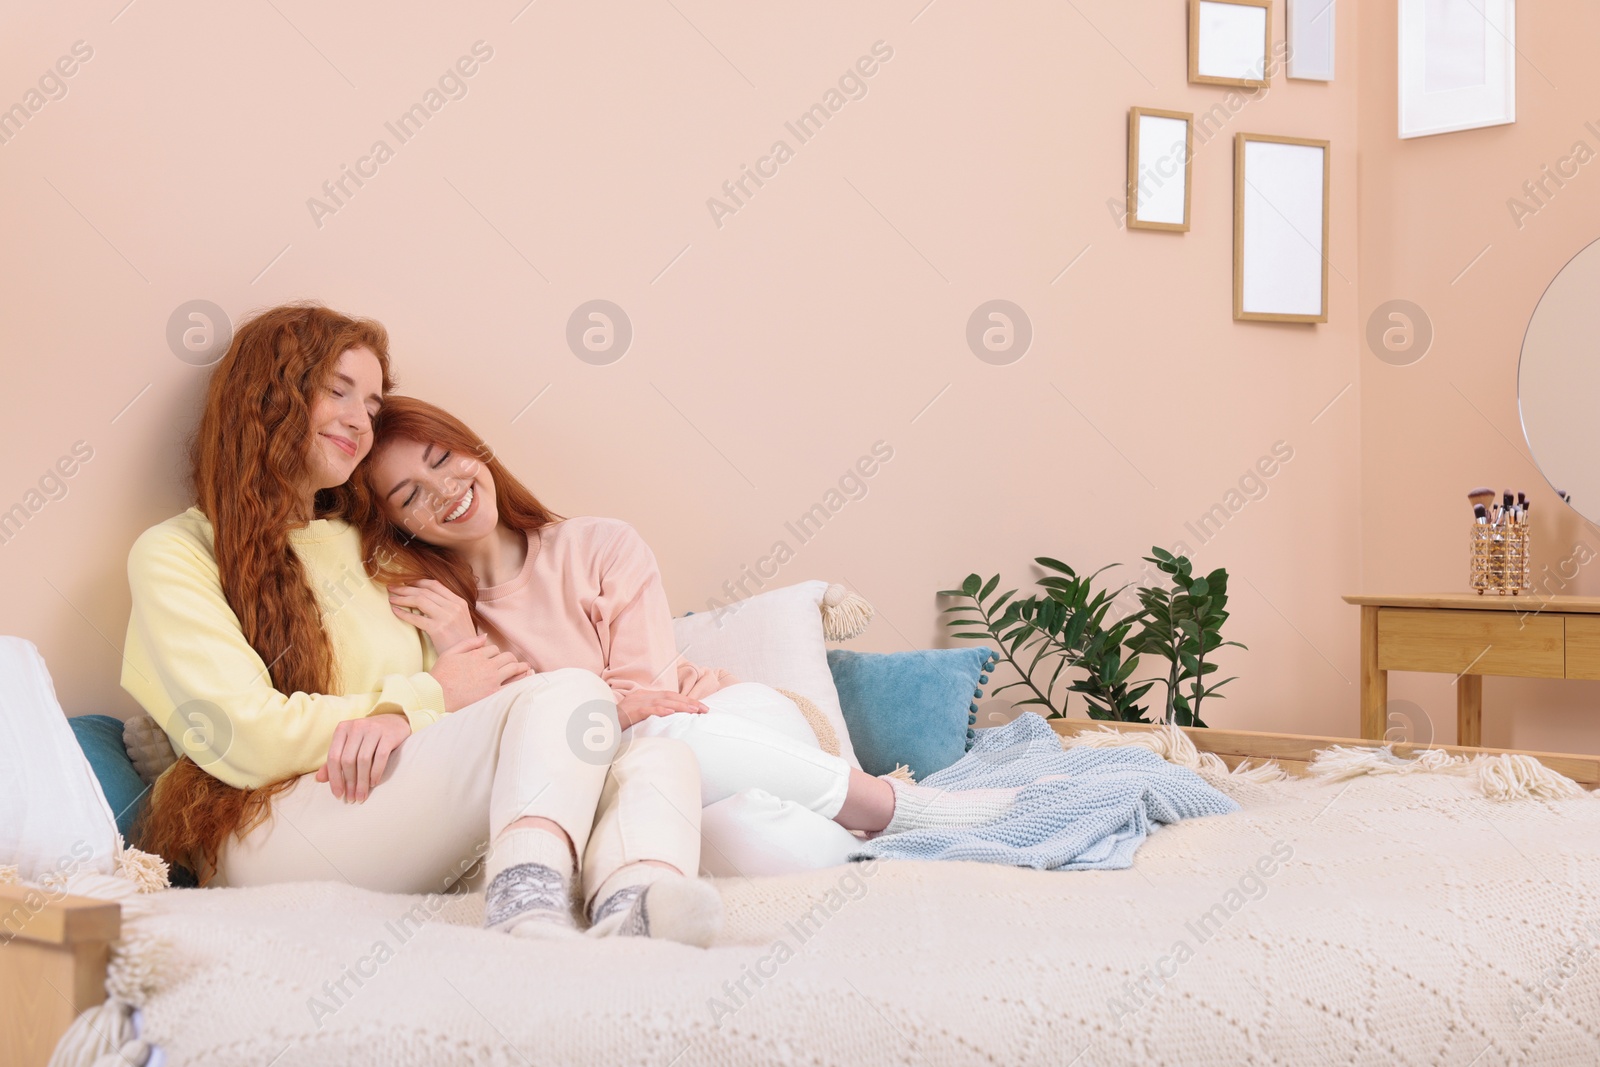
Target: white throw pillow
(753,833)
(774,638)
(53,817)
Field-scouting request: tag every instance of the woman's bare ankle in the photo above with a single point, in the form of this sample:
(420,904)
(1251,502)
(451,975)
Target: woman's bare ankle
(868,803)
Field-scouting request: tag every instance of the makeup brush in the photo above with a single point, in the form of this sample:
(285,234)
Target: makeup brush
(1481,495)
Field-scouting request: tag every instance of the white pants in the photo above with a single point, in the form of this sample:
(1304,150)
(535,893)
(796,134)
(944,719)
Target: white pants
(450,789)
(770,793)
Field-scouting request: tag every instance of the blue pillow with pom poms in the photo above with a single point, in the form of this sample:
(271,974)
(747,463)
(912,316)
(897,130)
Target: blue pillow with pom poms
(912,708)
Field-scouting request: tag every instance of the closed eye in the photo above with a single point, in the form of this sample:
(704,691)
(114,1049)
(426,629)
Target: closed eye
(440,461)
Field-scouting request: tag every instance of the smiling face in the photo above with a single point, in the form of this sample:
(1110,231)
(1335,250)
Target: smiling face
(341,418)
(442,497)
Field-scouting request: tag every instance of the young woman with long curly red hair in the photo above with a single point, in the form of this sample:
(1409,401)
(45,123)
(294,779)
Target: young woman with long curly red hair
(321,736)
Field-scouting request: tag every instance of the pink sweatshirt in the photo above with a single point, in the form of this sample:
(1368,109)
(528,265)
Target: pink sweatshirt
(590,595)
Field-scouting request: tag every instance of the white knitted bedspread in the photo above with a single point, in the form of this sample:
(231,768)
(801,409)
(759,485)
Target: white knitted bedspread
(1404,921)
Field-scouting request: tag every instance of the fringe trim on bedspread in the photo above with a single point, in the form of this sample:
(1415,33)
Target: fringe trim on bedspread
(1174,746)
(1508,776)
(1504,777)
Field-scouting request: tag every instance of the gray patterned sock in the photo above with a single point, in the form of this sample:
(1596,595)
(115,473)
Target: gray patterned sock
(629,902)
(530,900)
(530,884)
(670,907)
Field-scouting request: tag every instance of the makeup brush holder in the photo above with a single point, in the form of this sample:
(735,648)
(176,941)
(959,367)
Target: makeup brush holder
(1501,563)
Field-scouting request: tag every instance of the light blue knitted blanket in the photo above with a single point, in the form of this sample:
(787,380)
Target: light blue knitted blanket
(1092,819)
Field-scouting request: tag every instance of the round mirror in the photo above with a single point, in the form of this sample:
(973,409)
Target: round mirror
(1558,382)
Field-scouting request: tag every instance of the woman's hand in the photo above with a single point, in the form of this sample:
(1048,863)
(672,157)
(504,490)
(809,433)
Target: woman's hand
(474,669)
(640,704)
(360,754)
(435,609)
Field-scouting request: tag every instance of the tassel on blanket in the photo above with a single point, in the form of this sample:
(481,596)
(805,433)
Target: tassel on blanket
(1176,747)
(902,772)
(844,614)
(1504,777)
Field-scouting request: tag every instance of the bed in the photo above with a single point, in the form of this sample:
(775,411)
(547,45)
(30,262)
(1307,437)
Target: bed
(1385,914)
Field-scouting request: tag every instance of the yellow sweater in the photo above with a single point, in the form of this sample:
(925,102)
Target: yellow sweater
(188,663)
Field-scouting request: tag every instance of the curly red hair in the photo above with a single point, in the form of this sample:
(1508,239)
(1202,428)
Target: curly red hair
(249,460)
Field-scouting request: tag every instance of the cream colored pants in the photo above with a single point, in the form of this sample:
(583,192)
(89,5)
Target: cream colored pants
(451,788)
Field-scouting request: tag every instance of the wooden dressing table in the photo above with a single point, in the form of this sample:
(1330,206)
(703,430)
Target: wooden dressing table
(1469,636)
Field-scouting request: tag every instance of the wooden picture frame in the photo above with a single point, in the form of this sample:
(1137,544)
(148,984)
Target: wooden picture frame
(1154,200)
(1222,42)
(1277,243)
(1309,34)
(1458,65)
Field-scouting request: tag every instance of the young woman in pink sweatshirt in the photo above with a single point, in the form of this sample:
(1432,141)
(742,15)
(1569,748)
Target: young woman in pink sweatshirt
(467,549)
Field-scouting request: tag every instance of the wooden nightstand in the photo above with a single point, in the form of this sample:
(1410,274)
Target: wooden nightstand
(1469,636)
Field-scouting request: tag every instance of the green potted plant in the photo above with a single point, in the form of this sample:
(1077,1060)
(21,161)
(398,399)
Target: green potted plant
(1064,639)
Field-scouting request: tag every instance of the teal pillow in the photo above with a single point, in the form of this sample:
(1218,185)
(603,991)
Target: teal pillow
(916,708)
(100,737)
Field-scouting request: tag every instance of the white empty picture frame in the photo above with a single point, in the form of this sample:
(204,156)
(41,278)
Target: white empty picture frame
(1229,41)
(1160,154)
(1458,65)
(1310,40)
(1280,229)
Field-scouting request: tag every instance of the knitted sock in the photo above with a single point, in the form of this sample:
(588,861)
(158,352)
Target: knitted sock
(643,900)
(917,807)
(530,885)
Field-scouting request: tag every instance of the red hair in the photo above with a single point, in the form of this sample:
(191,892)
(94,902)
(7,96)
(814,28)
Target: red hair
(250,459)
(393,555)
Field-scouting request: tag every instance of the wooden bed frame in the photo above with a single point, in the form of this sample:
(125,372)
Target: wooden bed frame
(53,953)
(52,967)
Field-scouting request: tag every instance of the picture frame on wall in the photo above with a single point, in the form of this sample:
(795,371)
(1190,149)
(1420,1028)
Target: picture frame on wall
(1230,42)
(1280,228)
(1458,65)
(1310,39)
(1160,166)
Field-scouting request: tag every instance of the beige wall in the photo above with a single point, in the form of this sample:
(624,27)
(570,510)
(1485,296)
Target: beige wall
(828,313)
(1432,430)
